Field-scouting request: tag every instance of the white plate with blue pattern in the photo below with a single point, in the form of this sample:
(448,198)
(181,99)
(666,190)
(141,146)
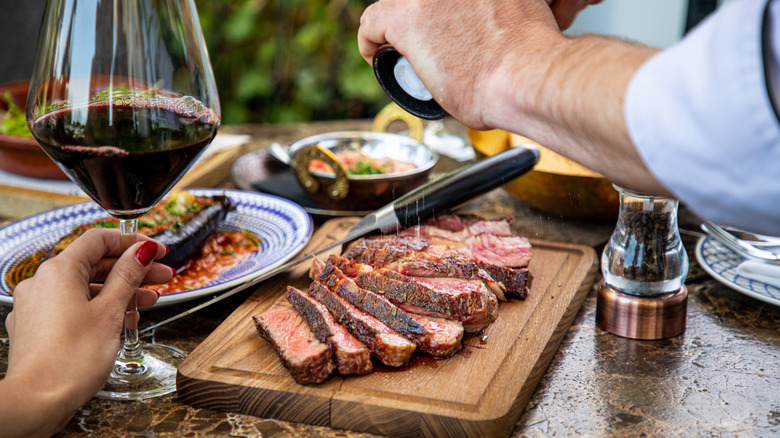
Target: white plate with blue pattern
(282,227)
(721,263)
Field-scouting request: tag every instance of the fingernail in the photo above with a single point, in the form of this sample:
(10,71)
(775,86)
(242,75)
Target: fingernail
(167,249)
(158,293)
(146,252)
(173,270)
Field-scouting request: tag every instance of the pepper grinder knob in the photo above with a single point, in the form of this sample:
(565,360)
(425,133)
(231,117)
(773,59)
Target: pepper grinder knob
(397,78)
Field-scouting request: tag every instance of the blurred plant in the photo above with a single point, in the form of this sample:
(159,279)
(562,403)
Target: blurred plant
(14,121)
(281,61)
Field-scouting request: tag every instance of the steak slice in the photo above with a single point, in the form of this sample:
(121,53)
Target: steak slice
(350,268)
(500,261)
(451,298)
(386,345)
(517,281)
(442,336)
(507,251)
(417,257)
(472,225)
(455,227)
(351,355)
(307,359)
(434,336)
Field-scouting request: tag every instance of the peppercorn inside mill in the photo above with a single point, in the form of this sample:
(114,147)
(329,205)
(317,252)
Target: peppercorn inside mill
(644,264)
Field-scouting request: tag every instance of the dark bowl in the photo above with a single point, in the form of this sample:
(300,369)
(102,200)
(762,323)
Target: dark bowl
(361,192)
(20,155)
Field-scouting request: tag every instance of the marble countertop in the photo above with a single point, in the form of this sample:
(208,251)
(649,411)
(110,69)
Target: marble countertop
(720,378)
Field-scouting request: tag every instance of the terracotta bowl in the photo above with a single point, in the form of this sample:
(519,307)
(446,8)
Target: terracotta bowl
(19,155)
(344,191)
(556,185)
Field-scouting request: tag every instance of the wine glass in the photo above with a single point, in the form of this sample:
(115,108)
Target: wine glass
(123,98)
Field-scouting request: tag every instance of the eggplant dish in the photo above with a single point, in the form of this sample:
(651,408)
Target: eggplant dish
(188,225)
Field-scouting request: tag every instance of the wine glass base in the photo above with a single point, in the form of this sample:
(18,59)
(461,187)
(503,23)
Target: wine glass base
(153,376)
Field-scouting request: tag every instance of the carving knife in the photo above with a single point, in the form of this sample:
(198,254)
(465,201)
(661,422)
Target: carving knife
(435,197)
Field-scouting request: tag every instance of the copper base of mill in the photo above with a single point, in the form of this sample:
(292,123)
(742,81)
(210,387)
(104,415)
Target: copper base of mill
(635,317)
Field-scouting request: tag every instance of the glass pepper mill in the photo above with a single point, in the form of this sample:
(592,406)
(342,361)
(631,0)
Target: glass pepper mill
(643,295)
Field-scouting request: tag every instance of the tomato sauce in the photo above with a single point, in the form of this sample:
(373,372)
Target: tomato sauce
(222,251)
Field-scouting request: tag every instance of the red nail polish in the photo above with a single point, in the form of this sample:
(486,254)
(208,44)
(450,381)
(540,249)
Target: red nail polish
(146,252)
(167,249)
(158,293)
(173,270)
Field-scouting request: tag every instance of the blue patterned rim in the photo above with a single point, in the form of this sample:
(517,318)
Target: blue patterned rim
(282,227)
(721,263)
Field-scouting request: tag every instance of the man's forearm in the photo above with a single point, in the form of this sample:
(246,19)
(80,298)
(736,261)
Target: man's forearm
(570,99)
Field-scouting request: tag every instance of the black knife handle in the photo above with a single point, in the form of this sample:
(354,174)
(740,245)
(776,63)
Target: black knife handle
(464,184)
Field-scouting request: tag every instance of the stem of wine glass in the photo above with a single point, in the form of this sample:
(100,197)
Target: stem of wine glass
(131,349)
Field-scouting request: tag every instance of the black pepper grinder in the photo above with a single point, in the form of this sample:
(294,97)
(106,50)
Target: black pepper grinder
(402,85)
(643,293)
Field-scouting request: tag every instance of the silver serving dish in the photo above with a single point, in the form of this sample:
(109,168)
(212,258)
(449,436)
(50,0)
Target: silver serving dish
(343,190)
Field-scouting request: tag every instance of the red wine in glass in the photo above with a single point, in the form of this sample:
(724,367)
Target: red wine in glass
(127,154)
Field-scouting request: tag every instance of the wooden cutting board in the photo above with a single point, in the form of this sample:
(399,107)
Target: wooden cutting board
(480,391)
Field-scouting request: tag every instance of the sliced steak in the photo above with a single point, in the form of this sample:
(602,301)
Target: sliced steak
(316,268)
(455,227)
(307,359)
(418,257)
(434,336)
(386,345)
(452,298)
(477,257)
(506,251)
(442,336)
(348,267)
(517,281)
(351,355)
(497,227)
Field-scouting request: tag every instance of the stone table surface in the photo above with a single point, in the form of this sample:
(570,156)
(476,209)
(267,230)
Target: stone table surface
(720,378)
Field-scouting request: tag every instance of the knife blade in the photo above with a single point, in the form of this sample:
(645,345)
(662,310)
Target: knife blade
(434,197)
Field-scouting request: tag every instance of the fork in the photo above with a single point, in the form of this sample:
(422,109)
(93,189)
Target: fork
(757,240)
(739,246)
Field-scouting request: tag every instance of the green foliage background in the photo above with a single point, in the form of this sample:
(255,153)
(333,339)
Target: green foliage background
(278,61)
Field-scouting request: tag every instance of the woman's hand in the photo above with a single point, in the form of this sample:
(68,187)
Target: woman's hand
(65,327)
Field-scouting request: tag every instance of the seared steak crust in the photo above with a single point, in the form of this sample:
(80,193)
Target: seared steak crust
(450,298)
(500,261)
(389,347)
(406,256)
(437,338)
(307,359)
(517,281)
(351,355)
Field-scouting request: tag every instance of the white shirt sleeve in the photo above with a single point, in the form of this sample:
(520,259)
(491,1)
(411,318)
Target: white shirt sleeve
(701,117)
